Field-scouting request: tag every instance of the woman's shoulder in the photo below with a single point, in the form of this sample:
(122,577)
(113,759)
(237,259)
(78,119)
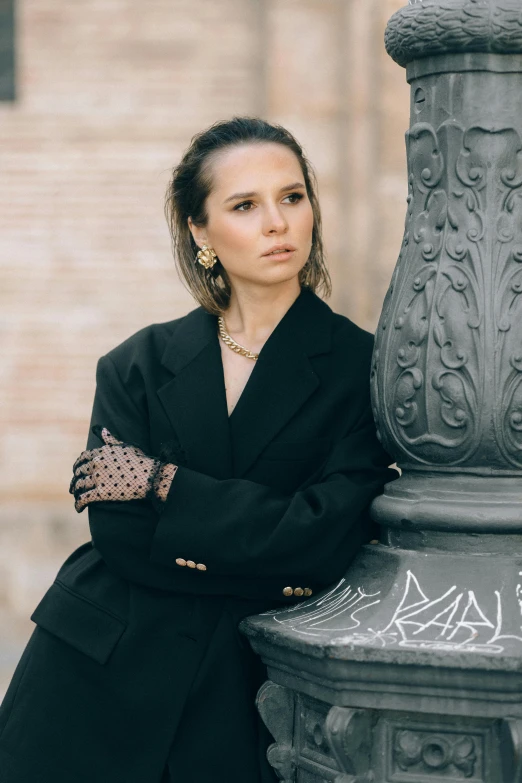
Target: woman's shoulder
(148,343)
(348,329)
(348,336)
(345,332)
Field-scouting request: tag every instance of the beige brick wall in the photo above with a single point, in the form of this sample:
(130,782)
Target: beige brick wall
(110,92)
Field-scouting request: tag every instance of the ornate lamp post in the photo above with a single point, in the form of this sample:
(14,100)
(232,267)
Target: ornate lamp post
(410,669)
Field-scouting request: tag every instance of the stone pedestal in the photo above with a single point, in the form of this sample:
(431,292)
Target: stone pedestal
(410,669)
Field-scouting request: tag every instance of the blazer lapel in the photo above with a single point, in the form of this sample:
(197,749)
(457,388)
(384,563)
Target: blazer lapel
(282,380)
(194,400)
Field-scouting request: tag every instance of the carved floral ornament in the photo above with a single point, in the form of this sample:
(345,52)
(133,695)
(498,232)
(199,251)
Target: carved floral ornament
(434,752)
(432,27)
(452,296)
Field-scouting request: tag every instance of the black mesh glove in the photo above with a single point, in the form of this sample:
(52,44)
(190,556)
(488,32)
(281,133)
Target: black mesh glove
(117,471)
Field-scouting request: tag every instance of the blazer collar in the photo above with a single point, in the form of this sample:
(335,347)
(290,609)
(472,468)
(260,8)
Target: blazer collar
(308,320)
(195,399)
(193,333)
(281,381)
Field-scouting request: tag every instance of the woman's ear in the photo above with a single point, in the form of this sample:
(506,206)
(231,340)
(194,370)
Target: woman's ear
(199,234)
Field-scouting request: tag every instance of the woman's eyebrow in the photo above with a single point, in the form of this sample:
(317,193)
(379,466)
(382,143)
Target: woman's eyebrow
(252,193)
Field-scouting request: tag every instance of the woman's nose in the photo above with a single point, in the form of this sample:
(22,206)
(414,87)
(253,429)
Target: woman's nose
(275,221)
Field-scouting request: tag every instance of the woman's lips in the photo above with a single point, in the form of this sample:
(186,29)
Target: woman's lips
(280,254)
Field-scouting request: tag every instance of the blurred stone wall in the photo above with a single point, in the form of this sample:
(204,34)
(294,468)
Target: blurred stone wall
(109,95)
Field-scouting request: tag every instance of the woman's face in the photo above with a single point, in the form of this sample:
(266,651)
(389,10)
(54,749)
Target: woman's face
(258,201)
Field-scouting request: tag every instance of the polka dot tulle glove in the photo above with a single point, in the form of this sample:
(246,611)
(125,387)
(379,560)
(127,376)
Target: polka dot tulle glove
(118,471)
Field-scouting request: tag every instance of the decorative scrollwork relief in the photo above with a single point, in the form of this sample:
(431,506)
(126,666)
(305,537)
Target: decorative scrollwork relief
(349,734)
(434,753)
(508,304)
(456,292)
(314,735)
(276,707)
(433,381)
(434,27)
(510,743)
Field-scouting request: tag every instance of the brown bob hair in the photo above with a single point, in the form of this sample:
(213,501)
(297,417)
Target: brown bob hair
(186,195)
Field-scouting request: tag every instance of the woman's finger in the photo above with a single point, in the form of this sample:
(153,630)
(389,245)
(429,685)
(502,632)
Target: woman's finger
(85,468)
(71,485)
(82,484)
(103,434)
(89,455)
(83,500)
(84,456)
(110,439)
(78,491)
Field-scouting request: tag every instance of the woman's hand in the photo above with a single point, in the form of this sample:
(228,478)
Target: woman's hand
(117,471)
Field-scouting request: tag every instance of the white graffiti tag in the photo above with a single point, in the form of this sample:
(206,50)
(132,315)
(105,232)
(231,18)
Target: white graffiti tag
(454,620)
(338,610)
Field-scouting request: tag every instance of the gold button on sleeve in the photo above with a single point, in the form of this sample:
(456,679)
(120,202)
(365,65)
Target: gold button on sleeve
(201,566)
(308,591)
(181,561)
(191,564)
(298,591)
(288,591)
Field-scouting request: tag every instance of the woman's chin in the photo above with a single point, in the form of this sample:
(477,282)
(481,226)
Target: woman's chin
(275,276)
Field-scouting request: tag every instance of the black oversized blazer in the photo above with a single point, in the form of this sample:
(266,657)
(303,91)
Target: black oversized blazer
(274,497)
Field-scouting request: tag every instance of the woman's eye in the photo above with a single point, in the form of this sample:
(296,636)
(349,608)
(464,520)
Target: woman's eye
(246,206)
(296,197)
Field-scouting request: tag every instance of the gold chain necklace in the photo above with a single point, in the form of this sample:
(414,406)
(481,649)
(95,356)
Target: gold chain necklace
(228,340)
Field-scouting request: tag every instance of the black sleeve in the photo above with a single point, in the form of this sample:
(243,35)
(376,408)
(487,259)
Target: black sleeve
(242,531)
(239,527)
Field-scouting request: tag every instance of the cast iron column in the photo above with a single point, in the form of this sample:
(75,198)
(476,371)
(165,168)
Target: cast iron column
(410,669)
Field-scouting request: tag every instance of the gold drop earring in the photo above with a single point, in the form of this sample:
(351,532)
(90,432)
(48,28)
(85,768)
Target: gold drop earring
(206,257)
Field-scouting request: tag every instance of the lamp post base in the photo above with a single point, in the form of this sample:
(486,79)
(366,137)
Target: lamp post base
(409,669)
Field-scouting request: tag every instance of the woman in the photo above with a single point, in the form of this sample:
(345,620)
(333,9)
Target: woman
(229,470)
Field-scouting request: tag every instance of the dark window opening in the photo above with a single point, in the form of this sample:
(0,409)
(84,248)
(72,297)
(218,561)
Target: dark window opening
(7,51)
